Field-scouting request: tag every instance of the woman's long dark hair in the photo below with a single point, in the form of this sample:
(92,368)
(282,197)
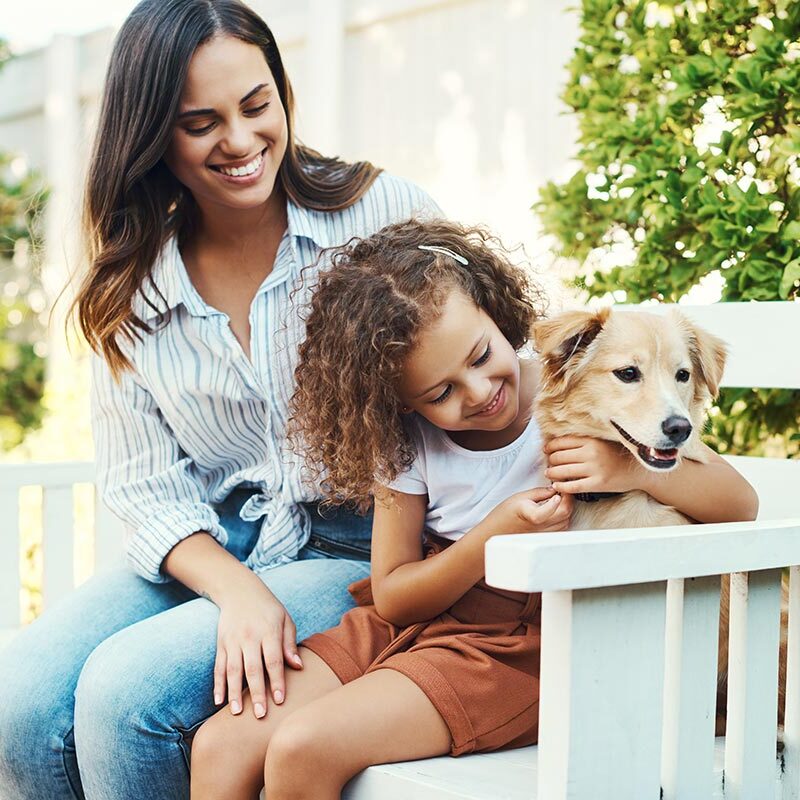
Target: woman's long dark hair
(133,203)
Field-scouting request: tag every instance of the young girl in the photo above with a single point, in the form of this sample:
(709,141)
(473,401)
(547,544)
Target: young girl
(411,387)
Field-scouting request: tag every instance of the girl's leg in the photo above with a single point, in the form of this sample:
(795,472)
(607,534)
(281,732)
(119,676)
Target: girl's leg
(143,690)
(377,719)
(228,752)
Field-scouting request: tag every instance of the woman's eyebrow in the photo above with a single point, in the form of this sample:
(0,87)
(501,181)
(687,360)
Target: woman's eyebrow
(204,112)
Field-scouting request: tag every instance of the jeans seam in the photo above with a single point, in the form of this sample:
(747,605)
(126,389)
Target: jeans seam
(77,792)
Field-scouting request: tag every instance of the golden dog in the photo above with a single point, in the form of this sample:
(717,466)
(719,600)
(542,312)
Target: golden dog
(642,380)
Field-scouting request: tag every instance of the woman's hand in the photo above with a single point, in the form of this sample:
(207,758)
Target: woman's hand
(581,464)
(532,511)
(254,632)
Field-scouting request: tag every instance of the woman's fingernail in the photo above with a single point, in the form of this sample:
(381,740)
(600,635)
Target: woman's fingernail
(297,660)
(278,695)
(217,699)
(236,707)
(260,710)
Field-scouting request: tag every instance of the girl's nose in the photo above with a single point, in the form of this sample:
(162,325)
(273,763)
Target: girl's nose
(479,392)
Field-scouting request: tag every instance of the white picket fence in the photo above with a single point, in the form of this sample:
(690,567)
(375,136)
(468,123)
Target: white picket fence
(629,629)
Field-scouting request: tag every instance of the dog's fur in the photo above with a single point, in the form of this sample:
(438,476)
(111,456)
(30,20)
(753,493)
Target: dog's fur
(581,395)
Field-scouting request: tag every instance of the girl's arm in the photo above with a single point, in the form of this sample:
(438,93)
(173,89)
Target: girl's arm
(408,588)
(710,492)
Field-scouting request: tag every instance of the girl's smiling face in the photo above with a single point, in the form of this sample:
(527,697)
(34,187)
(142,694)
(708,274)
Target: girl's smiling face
(462,374)
(230,135)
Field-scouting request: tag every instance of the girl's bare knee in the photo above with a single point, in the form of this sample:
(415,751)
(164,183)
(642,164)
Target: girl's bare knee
(296,753)
(205,746)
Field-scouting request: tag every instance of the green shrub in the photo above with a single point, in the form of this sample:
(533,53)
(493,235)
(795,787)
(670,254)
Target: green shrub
(21,303)
(689,147)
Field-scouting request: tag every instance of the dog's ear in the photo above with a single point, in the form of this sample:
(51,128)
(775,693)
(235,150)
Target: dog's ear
(564,338)
(708,354)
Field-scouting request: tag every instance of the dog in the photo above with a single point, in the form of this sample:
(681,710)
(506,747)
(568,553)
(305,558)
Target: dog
(642,380)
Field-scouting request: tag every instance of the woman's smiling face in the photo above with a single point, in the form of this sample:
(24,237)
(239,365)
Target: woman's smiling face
(231,134)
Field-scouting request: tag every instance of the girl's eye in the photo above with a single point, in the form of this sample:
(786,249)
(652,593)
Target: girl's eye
(485,357)
(628,374)
(682,375)
(443,396)
(254,112)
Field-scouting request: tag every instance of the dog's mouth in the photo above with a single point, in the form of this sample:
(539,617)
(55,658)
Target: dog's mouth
(652,456)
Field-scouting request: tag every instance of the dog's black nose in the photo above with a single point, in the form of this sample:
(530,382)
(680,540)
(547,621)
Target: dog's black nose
(678,429)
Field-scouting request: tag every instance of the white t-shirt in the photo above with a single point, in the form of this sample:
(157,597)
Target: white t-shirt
(462,485)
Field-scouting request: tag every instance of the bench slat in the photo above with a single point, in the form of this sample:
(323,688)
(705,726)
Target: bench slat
(58,538)
(791,736)
(108,536)
(752,684)
(690,688)
(602,669)
(10,583)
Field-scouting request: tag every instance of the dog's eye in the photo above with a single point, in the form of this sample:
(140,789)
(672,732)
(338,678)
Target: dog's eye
(628,374)
(682,375)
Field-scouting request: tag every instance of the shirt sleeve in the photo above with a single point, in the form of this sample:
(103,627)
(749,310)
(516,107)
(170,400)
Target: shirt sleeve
(410,482)
(413,480)
(143,475)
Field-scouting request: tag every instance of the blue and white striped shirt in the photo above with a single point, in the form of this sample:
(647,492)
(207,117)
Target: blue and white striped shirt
(196,418)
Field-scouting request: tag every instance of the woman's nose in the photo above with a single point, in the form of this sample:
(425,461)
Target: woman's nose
(237,139)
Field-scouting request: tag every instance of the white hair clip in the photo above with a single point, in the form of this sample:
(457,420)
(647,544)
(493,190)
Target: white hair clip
(435,248)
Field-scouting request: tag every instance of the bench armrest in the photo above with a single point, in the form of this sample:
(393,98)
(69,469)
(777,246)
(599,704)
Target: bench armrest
(536,562)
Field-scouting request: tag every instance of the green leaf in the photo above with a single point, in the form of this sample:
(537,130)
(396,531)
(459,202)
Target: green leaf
(791,273)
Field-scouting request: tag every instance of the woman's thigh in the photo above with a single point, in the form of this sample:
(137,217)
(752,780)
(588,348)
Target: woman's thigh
(39,670)
(151,684)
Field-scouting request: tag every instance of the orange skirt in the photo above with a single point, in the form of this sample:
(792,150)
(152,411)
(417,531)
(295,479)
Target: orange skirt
(478,662)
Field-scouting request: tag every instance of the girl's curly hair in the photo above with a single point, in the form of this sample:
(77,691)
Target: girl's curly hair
(366,314)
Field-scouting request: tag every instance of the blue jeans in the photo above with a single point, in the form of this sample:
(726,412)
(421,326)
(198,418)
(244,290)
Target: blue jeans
(98,695)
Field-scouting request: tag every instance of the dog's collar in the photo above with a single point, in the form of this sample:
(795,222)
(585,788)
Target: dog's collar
(593,497)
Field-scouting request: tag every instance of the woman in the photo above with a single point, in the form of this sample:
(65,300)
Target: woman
(201,211)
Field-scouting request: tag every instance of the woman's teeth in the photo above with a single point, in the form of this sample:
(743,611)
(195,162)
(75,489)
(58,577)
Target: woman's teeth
(247,169)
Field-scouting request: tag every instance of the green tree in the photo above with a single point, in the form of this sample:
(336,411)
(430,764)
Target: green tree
(21,301)
(689,147)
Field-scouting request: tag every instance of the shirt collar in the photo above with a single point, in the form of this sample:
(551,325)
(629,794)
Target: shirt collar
(314,225)
(170,276)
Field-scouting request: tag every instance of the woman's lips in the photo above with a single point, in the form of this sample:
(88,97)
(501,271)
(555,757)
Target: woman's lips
(244,180)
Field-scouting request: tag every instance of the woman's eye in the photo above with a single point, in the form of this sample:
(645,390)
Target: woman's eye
(485,357)
(628,374)
(443,396)
(200,131)
(254,112)
(682,375)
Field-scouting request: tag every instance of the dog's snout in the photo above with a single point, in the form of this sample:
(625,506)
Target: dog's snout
(677,429)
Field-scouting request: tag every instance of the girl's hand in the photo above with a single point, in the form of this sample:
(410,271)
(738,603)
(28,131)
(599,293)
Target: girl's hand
(533,511)
(581,464)
(254,632)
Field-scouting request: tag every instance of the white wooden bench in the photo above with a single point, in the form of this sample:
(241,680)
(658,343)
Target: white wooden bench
(630,625)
